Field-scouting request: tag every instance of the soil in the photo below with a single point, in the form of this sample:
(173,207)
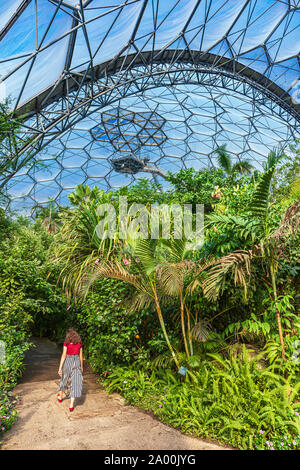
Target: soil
(99,420)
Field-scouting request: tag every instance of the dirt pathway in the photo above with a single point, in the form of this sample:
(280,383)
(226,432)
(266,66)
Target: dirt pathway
(99,421)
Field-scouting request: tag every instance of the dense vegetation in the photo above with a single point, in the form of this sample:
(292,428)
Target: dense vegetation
(29,303)
(207,339)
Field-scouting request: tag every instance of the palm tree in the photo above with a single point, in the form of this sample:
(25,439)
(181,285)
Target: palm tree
(13,157)
(48,215)
(144,257)
(81,250)
(172,274)
(267,244)
(78,246)
(225,162)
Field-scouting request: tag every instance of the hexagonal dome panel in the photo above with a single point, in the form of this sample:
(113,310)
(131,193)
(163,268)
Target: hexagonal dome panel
(168,80)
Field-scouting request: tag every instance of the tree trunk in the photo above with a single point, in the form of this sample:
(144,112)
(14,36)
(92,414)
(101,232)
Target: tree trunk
(162,324)
(189,330)
(277,313)
(183,326)
(280,334)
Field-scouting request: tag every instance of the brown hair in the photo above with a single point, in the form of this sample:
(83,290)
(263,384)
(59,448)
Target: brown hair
(72,336)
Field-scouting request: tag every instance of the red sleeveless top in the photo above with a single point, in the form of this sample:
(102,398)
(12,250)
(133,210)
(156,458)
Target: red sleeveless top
(73,349)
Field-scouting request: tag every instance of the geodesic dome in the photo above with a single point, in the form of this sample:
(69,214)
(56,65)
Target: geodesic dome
(199,73)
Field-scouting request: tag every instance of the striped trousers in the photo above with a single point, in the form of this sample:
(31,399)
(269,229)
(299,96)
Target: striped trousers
(71,370)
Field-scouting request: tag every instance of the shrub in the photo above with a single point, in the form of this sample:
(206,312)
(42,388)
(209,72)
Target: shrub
(233,401)
(112,336)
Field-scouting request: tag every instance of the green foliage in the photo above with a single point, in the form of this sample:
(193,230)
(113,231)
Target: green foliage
(144,192)
(112,334)
(12,158)
(225,162)
(24,267)
(235,199)
(29,303)
(14,332)
(234,401)
(259,206)
(197,187)
(225,395)
(14,336)
(8,414)
(286,180)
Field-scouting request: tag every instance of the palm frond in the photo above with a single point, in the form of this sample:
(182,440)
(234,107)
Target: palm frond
(112,270)
(290,222)
(201,330)
(241,226)
(176,249)
(243,166)
(140,301)
(224,158)
(274,157)
(260,201)
(170,277)
(145,251)
(200,272)
(237,263)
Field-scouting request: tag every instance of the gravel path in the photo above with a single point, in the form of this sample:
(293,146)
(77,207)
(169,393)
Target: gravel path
(99,421)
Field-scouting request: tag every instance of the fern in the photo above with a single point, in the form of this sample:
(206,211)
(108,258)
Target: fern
(259,205)
(229,400)
(236,263)
(242,227)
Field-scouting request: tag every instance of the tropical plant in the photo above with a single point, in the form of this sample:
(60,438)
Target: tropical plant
(225,162)
(163,267)
(234,400)
(196,187)
(171,274)
(77,244)
(145,258)
(12,156)
(269,245)
(48,216)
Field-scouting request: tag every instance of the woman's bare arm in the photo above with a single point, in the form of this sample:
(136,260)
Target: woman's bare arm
(62,360)
(81,359)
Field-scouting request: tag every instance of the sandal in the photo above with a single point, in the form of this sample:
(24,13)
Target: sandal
(58,398)
(71,409)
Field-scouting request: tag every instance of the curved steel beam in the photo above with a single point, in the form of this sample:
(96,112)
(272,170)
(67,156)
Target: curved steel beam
(74,81)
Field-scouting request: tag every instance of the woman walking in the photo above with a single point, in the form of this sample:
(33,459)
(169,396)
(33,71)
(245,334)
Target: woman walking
(71,366)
